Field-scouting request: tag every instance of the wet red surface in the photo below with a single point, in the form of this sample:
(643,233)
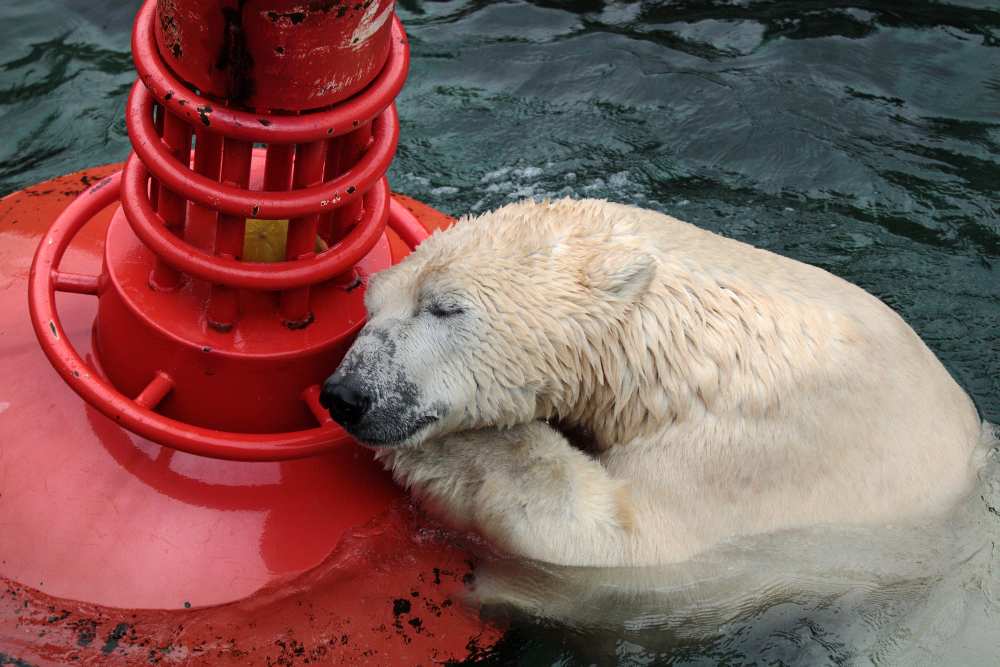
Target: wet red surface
(245,562)
(391,594)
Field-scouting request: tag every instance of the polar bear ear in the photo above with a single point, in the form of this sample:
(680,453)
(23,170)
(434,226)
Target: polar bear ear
(620,274)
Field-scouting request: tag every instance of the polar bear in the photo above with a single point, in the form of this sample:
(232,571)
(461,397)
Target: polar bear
(591,383)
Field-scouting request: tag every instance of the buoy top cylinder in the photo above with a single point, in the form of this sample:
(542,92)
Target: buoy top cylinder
(273,55)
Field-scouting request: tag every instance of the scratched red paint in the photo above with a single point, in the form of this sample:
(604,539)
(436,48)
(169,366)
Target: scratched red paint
(391,594)
(280,54)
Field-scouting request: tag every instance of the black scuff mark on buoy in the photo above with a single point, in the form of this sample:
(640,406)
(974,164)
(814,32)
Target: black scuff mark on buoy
(105,182)
(62,616)
(203,112)
(86,631)
(115,636)
(14,661)
(400,607)
(290,651)
(295,325)
(170,29)
(52,328)
(322,5)
(294,18)
(234,56)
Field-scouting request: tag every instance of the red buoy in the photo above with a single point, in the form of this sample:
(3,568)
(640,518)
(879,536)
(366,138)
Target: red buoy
(199,469)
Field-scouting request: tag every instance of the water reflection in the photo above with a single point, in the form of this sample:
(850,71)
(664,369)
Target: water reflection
(302,507)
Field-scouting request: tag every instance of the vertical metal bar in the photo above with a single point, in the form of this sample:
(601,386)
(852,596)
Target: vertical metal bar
(309,161)
(278,167)
(353,147)
(223,304)
(332,170)
(170,206)
(200,230)
(278,163)
(154,185)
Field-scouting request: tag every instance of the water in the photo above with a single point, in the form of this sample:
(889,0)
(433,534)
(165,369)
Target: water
(923,594)
(863,137)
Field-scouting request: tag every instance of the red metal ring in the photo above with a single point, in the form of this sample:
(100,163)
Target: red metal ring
(344,117)
(406,225)
(125,411)
(224,198)
(262,276)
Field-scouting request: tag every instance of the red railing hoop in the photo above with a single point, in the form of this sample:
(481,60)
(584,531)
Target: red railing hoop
(267,205)
(92,387)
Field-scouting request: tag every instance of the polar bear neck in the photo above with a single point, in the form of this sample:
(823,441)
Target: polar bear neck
(693,346)
(609,388)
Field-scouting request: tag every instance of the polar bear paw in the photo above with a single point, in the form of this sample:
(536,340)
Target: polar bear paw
(526,489)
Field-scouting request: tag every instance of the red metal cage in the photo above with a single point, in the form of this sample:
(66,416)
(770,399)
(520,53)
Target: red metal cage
(195,347)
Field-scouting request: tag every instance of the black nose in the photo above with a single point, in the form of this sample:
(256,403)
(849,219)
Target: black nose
(346,403)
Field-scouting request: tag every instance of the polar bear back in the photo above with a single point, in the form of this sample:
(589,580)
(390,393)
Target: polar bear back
(777,378)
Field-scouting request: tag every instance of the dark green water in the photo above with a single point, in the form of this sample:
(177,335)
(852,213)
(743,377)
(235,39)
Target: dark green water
(863,137)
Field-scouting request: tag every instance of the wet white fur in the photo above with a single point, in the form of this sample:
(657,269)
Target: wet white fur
(728,390)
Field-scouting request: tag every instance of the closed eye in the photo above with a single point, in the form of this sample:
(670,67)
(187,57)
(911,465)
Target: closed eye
(442,310)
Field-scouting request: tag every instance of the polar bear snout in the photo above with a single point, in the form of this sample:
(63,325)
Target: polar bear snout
(373,397)
(379,416)
(346,401)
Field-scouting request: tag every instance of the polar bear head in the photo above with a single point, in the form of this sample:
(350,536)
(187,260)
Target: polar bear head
(499,320)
